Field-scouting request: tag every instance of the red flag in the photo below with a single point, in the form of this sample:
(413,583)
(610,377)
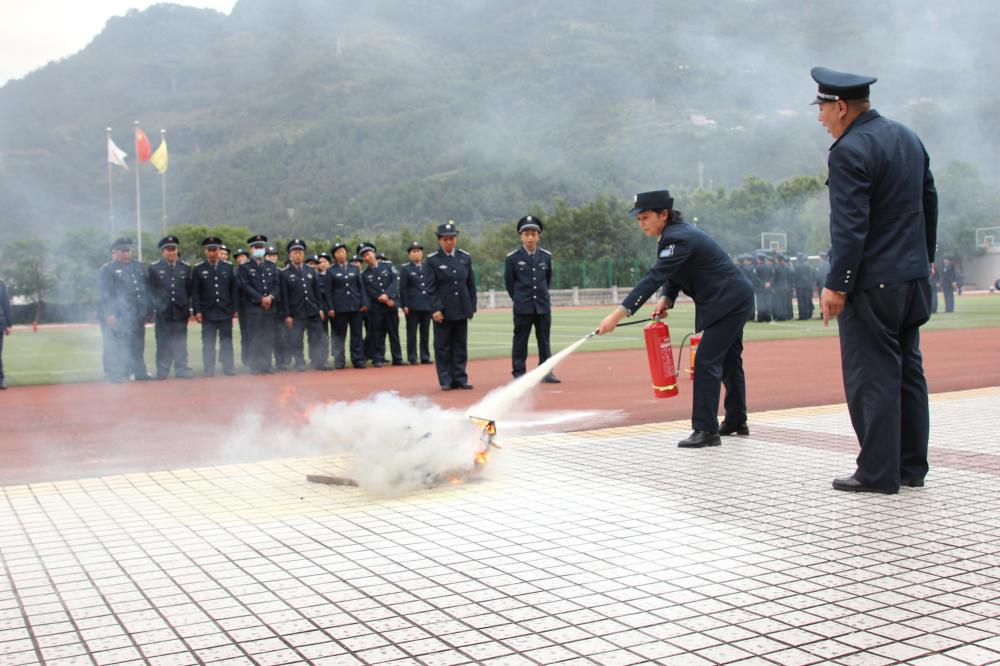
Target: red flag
(142,148)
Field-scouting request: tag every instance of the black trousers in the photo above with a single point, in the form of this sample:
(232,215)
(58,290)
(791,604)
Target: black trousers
(295,335)
(385,321)
(884,380)
(764,310)
(418,321)
(369,346)
(719,362)
(171,346)
(221,329)
(282,352)
(126,344)
(261,326)
(2,336)
(451,353)
(805,298)
(522,331)
(339,326)
(244,340)
(949,299)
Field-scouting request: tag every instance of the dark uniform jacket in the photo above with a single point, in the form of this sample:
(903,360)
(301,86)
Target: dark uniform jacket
(763,276)
(413,286)
(782,277)
(344,291)
(805,276)
(692,262)
(123,291)
(214,293)
(257,281)
(170,288)
(527,278)
(380,280)
(301,296)
(453,288)
(878,169)
(6,321)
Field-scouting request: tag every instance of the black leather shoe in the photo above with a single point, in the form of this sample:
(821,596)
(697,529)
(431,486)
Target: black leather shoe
(445,388)
(911,483)
(850,484)
(143,378)
(464,387)
(551,379)
(727,428)
(699,439)
(228,373)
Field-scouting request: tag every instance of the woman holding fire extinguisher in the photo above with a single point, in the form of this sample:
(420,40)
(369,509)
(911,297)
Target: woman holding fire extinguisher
(689,260)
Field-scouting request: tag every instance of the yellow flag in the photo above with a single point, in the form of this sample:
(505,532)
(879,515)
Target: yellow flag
(159,157)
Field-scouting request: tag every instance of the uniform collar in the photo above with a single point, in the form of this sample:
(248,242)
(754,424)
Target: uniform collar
(867,116)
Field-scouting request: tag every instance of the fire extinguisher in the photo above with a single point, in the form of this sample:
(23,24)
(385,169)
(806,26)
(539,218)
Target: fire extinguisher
(695,341)
(661,359)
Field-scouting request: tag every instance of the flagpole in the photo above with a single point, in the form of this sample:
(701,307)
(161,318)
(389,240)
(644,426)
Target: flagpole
(163,185)
(111,207)
(138,194)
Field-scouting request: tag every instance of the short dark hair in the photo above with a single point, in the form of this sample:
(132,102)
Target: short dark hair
(672,215)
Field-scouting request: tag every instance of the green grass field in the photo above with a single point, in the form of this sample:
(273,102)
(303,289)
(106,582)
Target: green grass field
(73,354)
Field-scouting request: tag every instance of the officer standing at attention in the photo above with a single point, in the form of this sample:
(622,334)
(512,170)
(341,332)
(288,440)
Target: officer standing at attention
(6,321)
(345,301)
(170,290)
(414,276)
(214,300)
(123,305)
(690,261)
(382,290)
(883,229)
(948,284)
(453,301)
(303,308)
(763,285)
(259,292)
(805,277)
(527,274)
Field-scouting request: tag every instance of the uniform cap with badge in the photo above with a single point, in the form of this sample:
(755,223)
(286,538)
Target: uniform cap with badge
(336,246)
(259,240)
(415,245)
(365,247)
(240,251)
(294,244)
(446,230)
(835,86)
(654,200)
(211,242)
(122,242)
(529,222)
(168,241)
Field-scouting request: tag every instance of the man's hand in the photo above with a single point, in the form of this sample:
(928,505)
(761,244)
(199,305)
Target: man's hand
(384,298)
(199,318)
(610,322)
(266,302)
(406,312)
(831,304)
(438,316)
(322,316)
(331,314)
(661,307)
(288,322)
(390,303)
(7,330)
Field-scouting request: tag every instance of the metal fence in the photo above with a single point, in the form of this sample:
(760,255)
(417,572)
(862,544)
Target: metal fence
(492,298)
(601,273)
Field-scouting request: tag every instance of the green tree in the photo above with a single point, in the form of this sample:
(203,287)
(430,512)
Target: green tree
(28,266)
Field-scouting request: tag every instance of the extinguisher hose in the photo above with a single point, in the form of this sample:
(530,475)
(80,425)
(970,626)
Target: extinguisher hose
(680,351)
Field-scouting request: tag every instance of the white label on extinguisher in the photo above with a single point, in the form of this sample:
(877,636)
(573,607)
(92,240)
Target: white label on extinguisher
(667,356)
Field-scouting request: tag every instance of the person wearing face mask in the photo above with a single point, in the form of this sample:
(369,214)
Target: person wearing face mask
(259,292)
(214,299)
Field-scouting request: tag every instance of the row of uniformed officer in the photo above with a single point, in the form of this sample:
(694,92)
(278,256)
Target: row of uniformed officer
(303,308)
(6,322)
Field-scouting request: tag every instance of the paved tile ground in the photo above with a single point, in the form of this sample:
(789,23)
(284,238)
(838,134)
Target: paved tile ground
(607,547)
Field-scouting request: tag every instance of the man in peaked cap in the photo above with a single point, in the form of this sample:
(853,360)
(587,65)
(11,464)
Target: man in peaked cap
(259,294)
(303,308)
(346,303)
(805,277)
(690,261)
(123,305)
(382,289)
(527,274)
(414,277)
(214,300)
(883,229)
(170,290)
(452,296)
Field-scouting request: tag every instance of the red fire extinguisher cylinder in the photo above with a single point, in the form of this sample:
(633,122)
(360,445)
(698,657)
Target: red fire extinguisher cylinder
(660,354)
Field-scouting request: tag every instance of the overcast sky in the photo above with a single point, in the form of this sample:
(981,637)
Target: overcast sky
(35,32)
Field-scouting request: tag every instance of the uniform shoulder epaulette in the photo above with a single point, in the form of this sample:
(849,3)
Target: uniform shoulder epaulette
(513,252)
(464,252)
(542,249)
(432,254)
